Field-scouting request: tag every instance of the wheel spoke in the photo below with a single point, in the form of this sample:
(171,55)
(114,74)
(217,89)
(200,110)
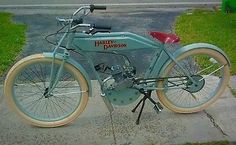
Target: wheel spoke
(207,68)
(212,72)
(30,83)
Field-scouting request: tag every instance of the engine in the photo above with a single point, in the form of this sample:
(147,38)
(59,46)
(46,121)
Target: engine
(120,77)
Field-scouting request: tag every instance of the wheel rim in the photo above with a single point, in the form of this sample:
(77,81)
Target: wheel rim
(187,98)
(30,85)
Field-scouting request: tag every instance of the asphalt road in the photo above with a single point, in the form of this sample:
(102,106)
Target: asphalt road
(37,2)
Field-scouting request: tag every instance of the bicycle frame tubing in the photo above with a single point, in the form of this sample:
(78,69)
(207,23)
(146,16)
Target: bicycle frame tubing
(115,41)
(118,41)
(108,42)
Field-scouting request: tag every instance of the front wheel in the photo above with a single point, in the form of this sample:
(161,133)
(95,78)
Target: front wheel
(26,86)
(209,73)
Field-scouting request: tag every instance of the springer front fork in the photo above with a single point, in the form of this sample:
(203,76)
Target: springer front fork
(54,73)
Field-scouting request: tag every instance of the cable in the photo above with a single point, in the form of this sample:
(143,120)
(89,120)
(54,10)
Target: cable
(57,32)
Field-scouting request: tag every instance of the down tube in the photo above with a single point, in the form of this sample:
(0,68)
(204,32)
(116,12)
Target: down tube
(91,64)
(157,64)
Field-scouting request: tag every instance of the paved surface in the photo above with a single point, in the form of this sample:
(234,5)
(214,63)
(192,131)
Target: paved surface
(35,2)
(94,126)
(40,25)
(55,6)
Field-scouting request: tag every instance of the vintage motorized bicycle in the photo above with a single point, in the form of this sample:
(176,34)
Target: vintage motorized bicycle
(52,89)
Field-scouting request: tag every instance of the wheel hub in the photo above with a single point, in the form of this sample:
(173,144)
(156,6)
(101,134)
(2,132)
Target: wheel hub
(45,94)
(193,88)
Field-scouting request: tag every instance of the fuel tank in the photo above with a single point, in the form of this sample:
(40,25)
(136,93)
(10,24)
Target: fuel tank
(112,41)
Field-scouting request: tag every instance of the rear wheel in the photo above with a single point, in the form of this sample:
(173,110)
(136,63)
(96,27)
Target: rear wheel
(208,69)
(26,86)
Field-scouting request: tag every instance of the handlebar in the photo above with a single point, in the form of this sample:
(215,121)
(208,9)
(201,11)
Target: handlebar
(78,21)
(91,8)
(74,22)
(101,27)
(96,7)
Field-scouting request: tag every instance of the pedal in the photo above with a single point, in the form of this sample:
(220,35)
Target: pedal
(158,107)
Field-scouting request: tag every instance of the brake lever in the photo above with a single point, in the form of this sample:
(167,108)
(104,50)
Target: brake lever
(64,22)
(81,8)
(60,21)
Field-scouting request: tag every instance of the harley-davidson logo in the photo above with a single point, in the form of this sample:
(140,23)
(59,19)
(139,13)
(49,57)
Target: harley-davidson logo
(109,44)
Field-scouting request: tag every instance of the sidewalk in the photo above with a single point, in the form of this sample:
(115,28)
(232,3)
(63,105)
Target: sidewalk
(94,126)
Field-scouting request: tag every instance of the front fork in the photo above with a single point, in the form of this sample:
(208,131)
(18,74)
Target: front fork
(55,76)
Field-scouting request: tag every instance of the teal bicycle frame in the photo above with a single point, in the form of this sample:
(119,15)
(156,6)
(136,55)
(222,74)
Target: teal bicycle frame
(84,43)
(52,89)
(117,41)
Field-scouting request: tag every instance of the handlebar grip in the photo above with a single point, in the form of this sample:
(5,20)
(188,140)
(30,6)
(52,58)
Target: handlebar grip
(96,7)
(102,27)
(77,21)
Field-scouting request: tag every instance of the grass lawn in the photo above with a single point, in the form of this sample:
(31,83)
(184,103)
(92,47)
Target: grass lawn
(12,38)
(209,26)
(210,143)
(233,91)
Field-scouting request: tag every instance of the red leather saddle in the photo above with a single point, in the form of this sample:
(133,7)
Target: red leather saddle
(164,37)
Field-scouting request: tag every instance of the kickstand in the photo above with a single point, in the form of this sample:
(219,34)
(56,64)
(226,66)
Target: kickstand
(147,95)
